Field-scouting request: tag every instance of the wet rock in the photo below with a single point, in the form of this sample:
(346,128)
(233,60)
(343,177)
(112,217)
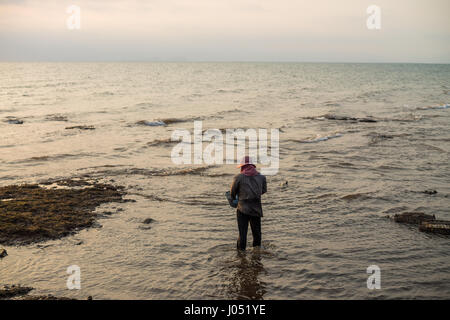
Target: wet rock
(430,192)
(148,221)
(437,226)
(34,213)
(56,117)
(341,118)
(13,120)
(376,138)
(8,291)
(89,298)
(413,217)
(96,225)
(3,253)
(81,127)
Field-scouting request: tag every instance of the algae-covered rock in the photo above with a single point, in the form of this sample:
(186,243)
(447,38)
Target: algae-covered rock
(33,213)
(413,217)
(437,226)
(9,291)
(81,127)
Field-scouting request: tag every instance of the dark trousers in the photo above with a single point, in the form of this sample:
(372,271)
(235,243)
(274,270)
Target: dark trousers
(255,224)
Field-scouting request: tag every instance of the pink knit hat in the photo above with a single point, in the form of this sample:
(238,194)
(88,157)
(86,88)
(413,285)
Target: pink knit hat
(245,160)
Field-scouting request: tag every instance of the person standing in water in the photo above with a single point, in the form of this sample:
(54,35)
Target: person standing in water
(249,185)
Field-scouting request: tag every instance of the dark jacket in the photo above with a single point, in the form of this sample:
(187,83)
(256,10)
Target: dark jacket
(249,190)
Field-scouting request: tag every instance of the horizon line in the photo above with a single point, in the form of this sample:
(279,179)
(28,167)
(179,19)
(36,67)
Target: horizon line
(217,61)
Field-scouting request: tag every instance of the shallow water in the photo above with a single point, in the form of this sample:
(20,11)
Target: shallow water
(320,233)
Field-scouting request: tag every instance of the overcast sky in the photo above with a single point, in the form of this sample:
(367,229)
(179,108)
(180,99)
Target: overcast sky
(226,30)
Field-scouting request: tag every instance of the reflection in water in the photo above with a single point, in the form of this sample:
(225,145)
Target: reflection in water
(244,282)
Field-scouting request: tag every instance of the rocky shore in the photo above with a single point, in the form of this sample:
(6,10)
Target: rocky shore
(17,292)
(32,213)
(427,223)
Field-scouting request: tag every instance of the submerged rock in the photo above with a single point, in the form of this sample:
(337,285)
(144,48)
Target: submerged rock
(436,226)
(13,120)
(413,217)
(81,127)
(341,118)
(56,117)
(430,192)
(161,122)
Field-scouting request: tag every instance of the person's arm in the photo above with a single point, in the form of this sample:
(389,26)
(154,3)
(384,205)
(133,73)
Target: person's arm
(264,186)
(234,187)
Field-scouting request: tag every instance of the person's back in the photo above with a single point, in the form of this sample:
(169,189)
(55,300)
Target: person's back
(249,185)
(249,190)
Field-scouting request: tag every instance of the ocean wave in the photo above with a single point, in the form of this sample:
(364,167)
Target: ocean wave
(376,138)
(103,93)
(329,116)
(144,105)
(157,172)
(164,122)
(411,117)
(221,113)
(407,118)
(229,90)
(7,110)
(50,158)
(190,201)
(356,196)
(56,117)
(425,146)
(318,138)
(445,106)
(332,104)
(161,142)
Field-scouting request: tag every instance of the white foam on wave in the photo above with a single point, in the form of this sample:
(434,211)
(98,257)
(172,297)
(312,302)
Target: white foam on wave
(321,138)
(445,106)
(152,123)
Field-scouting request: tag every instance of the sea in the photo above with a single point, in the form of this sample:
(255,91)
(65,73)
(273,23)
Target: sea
(357,143)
